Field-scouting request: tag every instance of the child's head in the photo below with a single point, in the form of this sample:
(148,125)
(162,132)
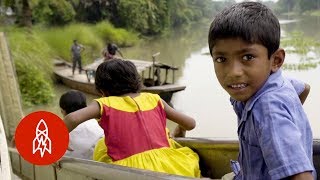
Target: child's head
(252,22)
(117,77)
(112,48)
(71,101)
(244,45)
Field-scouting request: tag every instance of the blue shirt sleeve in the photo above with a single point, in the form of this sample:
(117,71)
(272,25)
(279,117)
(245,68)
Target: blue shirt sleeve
(298,85)
(279,137)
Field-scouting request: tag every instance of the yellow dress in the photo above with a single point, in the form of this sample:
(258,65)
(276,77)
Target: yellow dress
(155,150)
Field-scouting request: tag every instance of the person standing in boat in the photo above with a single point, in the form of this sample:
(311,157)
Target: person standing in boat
(134,124)
(110,52)
(83,138)
(274,132)
(76,50)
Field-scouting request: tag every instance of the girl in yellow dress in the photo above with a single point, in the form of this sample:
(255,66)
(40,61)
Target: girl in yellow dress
(134,124)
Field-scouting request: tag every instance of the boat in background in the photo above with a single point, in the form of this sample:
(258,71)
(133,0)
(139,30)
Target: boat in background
(153,84)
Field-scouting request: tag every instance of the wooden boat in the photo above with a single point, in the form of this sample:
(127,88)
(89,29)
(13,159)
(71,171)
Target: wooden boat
(85,82)
(214,154)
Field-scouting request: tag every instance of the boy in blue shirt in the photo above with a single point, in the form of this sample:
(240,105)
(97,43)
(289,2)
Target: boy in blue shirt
(274,133)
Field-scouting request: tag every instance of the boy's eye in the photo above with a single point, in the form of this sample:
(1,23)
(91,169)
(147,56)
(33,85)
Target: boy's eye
(220,59)
(247,57)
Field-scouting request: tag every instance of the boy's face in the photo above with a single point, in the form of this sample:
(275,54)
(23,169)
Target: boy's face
(241,68)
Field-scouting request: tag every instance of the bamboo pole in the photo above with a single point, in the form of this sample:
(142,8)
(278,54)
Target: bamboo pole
(10,101)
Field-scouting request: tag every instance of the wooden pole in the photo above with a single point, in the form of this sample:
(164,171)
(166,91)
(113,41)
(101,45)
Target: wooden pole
(10,101)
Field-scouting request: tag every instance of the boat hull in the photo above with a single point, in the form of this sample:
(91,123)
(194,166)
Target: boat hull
(215,156)
(80,82)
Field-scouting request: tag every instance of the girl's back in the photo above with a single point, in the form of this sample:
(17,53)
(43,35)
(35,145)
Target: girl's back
(133,125)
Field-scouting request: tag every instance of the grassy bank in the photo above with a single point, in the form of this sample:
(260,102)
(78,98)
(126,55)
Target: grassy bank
(312,13)
(34,49)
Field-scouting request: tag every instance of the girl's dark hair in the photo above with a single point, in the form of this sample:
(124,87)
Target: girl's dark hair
(72,100)
(112,48)
(251,21)
(117,77)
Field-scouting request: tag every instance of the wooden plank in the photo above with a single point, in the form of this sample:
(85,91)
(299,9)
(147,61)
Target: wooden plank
(44,172)
(164,88)
(27,169)
(5,166)
(140,64)
(10,101)
(96,170)
(15,162)
(65,174)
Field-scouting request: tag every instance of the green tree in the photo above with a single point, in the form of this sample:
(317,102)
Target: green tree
(53,12)
(145,16)
(300,6)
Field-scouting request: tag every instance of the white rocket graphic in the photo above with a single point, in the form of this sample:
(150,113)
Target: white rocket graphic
(42,141)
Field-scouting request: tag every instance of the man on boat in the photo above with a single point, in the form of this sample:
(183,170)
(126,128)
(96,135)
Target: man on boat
(76,50)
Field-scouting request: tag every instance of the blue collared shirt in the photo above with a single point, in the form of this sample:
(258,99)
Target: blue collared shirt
(274,132)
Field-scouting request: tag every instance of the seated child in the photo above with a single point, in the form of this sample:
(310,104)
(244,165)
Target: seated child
(134,124)
(83,138)
(110,52)
(274,132)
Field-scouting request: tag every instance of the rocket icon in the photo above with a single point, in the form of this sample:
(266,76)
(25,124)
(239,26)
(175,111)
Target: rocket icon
(41,142)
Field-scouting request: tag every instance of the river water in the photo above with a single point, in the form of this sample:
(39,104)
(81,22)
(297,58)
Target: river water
(203,98)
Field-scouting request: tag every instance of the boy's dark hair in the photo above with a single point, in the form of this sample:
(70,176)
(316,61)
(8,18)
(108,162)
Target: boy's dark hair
(72,100)
(117,77)
(251,21)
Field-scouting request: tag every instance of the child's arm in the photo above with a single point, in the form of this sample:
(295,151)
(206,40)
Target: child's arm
(179,132)
(82,47)
(303,96)
(73,119)
(302,176)
(185,122)
(301,88)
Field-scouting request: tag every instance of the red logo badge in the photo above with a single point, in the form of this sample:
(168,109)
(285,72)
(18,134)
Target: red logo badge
(42,138)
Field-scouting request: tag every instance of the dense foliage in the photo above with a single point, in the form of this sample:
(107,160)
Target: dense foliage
(34,54)
(52,12)
(35,83)
(298,6)
(145,16)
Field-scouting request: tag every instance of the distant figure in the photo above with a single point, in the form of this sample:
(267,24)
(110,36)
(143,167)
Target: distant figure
(134,124)
(110,51)
(274,132)
(83,138)
(76,50)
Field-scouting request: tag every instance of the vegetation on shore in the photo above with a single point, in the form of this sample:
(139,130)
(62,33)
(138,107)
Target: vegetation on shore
(307,49)
(52,25)
(297,7)
(33,51)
